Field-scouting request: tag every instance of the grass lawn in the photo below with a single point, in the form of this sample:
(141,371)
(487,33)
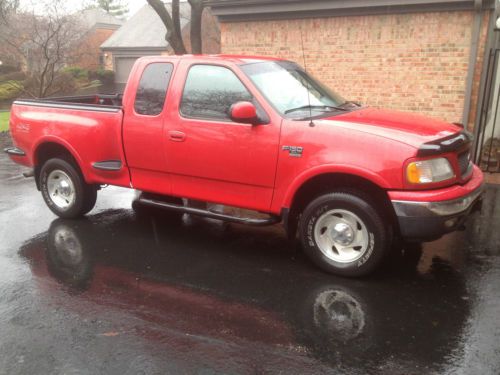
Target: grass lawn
(4,121)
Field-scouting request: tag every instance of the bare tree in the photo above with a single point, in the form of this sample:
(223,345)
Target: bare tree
(172,24)
(44,43)
(197,7)
(7,7)
(173,35)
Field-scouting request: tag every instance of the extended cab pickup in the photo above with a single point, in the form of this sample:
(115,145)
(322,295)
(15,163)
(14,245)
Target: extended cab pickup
(259,134)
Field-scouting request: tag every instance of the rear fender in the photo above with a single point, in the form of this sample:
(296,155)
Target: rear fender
(62,143)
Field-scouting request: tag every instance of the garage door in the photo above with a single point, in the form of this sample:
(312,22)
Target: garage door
(123,68)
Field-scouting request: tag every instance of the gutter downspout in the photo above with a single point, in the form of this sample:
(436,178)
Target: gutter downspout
(476,31)
(492,43)
(484,86)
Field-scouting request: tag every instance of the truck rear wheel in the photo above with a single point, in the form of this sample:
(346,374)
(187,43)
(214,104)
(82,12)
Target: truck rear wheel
(343,233)
(64,190)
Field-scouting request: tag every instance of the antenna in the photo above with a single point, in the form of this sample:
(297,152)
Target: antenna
(311,123)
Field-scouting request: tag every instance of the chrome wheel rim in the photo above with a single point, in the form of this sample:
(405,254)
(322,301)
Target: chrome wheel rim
(341,236)
(61,189)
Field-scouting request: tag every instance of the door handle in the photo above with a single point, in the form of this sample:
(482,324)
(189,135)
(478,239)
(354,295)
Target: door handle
(176,136)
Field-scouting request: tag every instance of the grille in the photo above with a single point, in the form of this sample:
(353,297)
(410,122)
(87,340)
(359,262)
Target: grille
(465,163)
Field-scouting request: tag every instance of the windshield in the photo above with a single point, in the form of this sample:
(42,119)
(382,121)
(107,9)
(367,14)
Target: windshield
(292,91)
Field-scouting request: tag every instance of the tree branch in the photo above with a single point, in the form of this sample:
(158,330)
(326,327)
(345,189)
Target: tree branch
(176,18)
(197,7)
(172,37)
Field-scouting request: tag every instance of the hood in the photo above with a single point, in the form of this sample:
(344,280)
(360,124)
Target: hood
(408,128)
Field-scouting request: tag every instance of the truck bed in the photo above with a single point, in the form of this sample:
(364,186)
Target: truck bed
(89,127)
(99,102)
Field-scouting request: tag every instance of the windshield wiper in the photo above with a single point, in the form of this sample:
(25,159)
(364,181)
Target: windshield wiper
(314,107)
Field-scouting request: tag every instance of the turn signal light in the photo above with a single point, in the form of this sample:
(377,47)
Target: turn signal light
(429,171)
(413,173)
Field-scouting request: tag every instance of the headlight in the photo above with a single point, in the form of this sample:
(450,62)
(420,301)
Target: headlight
(428,171)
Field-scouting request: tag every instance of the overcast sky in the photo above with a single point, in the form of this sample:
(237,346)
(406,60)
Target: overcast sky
(135,5)
(72,5)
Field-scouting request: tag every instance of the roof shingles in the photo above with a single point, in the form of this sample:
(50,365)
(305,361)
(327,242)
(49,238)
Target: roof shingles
(144,30)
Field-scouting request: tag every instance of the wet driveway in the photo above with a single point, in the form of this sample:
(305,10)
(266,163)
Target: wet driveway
(125,294)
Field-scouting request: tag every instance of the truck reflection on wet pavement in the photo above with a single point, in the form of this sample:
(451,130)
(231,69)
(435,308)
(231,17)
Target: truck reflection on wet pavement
(121,293)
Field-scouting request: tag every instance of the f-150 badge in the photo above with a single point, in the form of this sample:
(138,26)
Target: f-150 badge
(295,151)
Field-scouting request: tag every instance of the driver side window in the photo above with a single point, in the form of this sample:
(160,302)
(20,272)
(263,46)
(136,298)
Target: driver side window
(210,91)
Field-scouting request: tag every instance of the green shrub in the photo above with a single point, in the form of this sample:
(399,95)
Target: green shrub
(76,72)
(105,76)
(10,90)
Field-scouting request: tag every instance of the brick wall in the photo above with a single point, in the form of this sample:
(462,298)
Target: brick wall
(412,62)
(87,53)
(210,34)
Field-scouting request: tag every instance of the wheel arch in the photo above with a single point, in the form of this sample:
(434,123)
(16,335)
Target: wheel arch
(300,194)
(52,147)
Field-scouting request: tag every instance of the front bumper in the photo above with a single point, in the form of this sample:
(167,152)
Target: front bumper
(427,220)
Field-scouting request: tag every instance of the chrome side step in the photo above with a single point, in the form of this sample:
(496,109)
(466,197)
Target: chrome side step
(210,214)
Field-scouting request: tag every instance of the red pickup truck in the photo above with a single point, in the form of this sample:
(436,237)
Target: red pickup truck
(260,134)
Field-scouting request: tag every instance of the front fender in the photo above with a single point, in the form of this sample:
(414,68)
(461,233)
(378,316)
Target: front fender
(307,175)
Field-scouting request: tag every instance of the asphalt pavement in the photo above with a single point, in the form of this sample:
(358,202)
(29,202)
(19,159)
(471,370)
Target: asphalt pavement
(126,293)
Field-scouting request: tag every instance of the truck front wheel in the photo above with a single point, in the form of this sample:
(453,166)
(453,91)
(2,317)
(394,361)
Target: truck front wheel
(343,233)
(64,190)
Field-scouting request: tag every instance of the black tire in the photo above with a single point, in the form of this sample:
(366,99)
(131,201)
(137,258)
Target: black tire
(373,231)
(85,195)
(90,199)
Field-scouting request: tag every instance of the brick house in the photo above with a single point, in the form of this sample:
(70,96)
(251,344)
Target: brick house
(413,55)
(144,35)
(98,26)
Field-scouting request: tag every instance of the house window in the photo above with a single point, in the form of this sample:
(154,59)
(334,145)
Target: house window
(210,91)
(152,89)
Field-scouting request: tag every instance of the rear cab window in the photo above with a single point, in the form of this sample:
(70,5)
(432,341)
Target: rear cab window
(152,89)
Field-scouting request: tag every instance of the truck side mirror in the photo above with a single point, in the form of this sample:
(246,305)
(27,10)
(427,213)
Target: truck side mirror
(244,112)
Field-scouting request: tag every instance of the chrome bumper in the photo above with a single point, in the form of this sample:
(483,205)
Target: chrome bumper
(441,208)
(427,221)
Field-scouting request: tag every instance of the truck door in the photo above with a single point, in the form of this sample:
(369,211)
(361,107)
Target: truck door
(143,126)
(210,157)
